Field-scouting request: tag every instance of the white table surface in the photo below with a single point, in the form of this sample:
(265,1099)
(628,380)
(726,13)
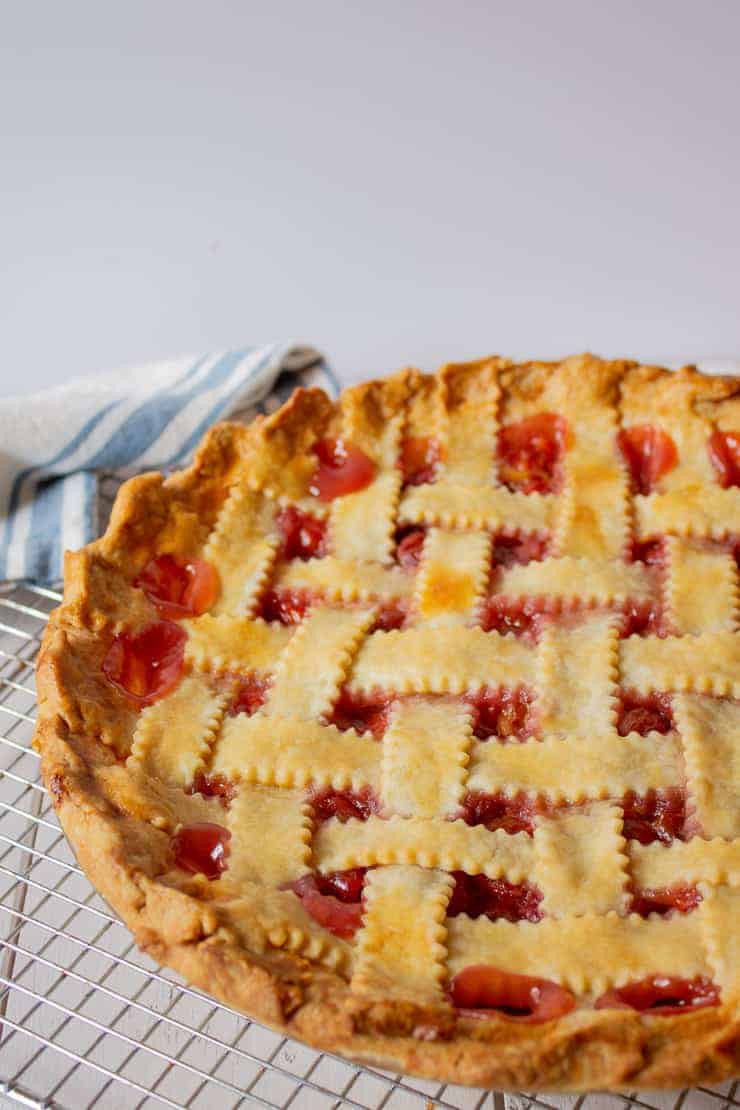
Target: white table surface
(392,182)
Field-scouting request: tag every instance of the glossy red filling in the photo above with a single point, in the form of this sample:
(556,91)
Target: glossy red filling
(250,693)
(179,586)
(509,551)
(529,452)
(651,552)
(362,713)
(661,994)
(202,848)
(643,618)
(504,713)
(214,786)
(342,468)
(335,900)
(497,811)
(410,543)
(482,988)
(391,615)
(303,536)
(724,453)
(657,815)
(477,895)
(146,665)
(522,618)
(285,606)
(644,713)
(649,452)
(682,898)
(345,805)
(418,461)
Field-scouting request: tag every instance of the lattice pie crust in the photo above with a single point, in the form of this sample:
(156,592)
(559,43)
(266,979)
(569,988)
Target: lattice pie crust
(122,776)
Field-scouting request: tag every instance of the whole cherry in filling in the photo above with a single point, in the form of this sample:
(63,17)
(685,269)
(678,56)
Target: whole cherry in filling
(487,989)
(303,536)
(146,665)
(363,713)
(418,461)
(202,848)
(650,454)
(724,452)
(345,805)
(179,586)
(476,895)
(497,811)
(657,815)
(661,994)
(504,713)
(644,713)
(342,468)
(334,900)
(682,898)
(529,452)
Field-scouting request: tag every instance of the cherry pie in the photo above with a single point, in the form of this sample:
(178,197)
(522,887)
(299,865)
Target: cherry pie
(410,724)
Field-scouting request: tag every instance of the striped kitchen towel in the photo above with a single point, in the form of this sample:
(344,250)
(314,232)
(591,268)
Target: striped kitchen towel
(56,446)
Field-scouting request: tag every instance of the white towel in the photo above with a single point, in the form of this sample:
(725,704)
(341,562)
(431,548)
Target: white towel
(55,446)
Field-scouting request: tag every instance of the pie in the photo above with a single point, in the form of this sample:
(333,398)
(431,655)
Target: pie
(410,724)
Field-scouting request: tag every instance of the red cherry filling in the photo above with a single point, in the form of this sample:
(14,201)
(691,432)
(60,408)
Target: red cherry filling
(682,898)
(342,468)
(390,616)
(649,452)
(724,453)
(214,786)
(503,713)
(509,551)
(410,544)
(644,713)
(661,994)
(522,618)
(179,586)
(418,461)
(345,805)
(250,693)
(362,713)
(146,665)
(657,815)
(303,536)
(285,606)
(476,895)
(529,452)
(334,900)
(643,618)
(202,849)
(651,552)
(496,811)
(522,997)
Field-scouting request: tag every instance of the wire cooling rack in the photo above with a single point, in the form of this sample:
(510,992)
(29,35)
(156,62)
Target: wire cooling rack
(86,1020)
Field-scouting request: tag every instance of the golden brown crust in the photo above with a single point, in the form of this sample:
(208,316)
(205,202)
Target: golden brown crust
(85,728)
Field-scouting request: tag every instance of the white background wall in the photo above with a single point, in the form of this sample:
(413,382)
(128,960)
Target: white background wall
(392,181)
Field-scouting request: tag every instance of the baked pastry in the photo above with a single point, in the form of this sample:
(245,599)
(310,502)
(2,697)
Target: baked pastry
(410,724)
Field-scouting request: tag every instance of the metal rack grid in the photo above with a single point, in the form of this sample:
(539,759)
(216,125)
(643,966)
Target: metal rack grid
(86,1020)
